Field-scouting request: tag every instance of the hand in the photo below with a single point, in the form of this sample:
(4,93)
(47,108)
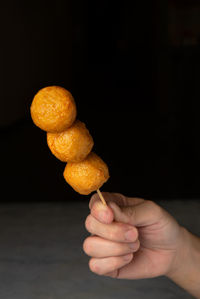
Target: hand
(132,238)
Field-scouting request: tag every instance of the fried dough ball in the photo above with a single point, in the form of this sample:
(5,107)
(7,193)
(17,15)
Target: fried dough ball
(88,175)
(74,144)
(53,109)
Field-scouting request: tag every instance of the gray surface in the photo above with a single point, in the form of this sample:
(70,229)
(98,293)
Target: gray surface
(41,255)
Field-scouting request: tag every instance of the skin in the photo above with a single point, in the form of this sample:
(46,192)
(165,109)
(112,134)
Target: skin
(132,238)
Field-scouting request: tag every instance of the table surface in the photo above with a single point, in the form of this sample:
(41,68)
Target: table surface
(41,254)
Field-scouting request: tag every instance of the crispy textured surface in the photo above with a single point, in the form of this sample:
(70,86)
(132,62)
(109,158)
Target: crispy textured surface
(87,175)
(53,109)
(72,145)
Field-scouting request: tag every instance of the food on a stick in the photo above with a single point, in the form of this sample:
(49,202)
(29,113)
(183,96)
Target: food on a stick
(88,175)
(53,109)
(71,145)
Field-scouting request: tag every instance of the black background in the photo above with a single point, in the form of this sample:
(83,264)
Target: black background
(137,95)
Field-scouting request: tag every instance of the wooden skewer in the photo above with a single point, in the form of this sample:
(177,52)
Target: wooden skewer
(101,197)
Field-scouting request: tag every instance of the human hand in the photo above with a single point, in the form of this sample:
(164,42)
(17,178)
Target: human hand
(132,238)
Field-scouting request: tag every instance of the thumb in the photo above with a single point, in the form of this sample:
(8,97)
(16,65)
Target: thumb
(102,213)
(142,214)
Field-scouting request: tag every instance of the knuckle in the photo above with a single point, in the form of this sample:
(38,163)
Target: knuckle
(159,211)
(131,212)
(150,202)
(156,209)
(121,197)
(151,205)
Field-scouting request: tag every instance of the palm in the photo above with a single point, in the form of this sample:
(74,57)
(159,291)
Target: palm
(157,251)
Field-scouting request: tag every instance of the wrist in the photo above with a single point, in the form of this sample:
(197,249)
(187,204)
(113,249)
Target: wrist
(181,255)
(186,267)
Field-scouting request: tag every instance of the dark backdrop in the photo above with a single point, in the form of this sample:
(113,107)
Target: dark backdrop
(134,74)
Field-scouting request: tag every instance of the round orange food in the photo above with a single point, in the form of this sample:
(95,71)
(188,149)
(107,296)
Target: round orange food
(88,175)
(53,109)
(74,144)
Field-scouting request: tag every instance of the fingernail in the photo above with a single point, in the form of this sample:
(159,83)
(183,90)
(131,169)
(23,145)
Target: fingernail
(102,211)
(132,246)
(127,257)
(130,235)
(100,206)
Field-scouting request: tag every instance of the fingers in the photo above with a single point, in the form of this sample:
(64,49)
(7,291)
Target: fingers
(139,213)
(101,248)
(110,264)
(104,213)
(118,198)
(143,214)
(119,232)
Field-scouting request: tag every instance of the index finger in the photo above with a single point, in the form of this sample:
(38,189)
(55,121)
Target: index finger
(105,214)
(120,199)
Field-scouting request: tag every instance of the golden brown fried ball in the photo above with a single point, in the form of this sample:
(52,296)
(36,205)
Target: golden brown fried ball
(53,109)
(88,175)
(74,144)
